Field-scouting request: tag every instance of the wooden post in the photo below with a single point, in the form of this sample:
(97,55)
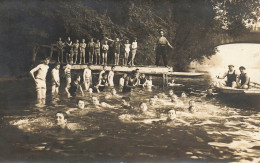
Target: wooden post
(163,80)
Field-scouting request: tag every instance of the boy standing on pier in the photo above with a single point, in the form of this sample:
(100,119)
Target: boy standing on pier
(82,50)
(76,51)
(40,79)
(68,45)
(105,49)
(60,45)
(91,46)
(116,48)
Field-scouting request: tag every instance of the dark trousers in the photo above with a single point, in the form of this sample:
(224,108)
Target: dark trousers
(161,51)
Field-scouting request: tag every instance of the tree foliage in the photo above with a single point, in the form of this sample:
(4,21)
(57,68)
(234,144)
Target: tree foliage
(192,26)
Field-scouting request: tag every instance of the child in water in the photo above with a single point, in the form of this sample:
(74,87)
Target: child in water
(192,107)
(149,83)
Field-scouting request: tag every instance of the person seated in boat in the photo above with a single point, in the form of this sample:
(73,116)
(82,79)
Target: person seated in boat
(98,104)
(243,80)
(149,83)
(113,94)
(192,108)
(102,83)
(74,86)
(126,103)
(142,80)
(231,77)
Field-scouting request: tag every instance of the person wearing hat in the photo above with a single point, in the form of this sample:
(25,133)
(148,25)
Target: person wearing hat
(161,45)
(231,77)
(244,78)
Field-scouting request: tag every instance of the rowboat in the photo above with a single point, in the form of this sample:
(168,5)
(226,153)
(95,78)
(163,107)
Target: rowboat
(185,74)
(253,90)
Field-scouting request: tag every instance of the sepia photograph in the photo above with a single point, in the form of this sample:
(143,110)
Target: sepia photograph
(124,81)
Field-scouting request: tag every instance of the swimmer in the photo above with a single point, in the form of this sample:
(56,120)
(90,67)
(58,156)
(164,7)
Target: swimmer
(126,103)
(90,90)
(80,106)
(192,107)
(113,94)
(174,84)
(149,83)
(210,93)
(171,93)
(143,109)
(97,103)
(152,101)
(183,95)
(142,80)
(171,115)
(177,103)
(74,86)
(61,119)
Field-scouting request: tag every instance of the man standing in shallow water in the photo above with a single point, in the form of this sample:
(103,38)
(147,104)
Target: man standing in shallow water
(40,79)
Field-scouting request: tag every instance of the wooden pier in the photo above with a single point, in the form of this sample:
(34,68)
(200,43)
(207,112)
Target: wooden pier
(153,70)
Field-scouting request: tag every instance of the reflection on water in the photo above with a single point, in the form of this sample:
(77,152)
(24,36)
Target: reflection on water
(221,129)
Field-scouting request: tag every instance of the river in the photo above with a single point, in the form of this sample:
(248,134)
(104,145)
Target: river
(224,128)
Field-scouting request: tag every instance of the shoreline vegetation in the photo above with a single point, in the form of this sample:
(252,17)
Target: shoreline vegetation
(193,27)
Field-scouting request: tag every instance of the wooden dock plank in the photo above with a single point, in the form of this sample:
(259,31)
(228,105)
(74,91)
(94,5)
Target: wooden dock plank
(142,69)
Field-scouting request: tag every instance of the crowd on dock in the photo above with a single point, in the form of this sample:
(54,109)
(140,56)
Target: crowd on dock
(97,52)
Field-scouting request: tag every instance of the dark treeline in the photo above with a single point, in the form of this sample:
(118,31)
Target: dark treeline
(192,26)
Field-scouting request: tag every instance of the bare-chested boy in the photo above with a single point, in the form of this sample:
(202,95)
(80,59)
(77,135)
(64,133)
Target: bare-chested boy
(40,79)
(55,73)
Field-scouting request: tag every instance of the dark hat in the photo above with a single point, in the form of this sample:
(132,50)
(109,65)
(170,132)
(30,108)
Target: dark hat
(242,67)
(230,65)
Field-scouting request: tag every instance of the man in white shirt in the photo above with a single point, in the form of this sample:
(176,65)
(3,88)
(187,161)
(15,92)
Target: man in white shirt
(40,79)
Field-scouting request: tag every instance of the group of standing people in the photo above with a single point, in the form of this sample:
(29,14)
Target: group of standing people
(105,80)
(97,52)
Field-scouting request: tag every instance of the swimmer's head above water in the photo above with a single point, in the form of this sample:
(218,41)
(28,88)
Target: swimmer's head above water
(95,100)
(90,90)
(192,107)
(113,91)
(61,119)
(125,101)
(183,95)
(171,114)
(171,93)
(80,103)
(143,107)
(152,101)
